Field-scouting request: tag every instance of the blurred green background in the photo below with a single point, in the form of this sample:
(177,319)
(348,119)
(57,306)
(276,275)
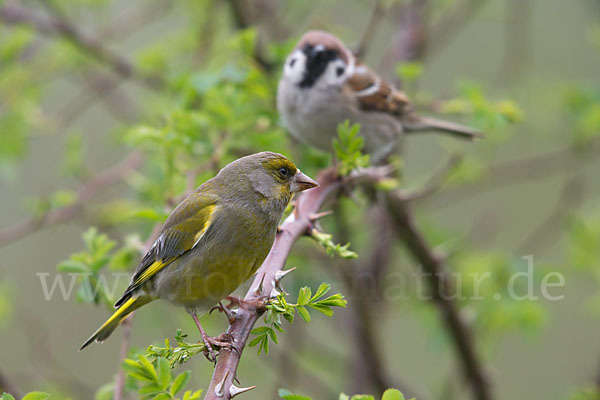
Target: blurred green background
(525,71)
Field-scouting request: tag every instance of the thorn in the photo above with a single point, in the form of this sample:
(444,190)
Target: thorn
(259,289)
(234,390)
(219,388)
(279,275)
(316,216)
(274,293)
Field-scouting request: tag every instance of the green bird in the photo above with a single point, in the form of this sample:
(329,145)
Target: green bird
(214,240)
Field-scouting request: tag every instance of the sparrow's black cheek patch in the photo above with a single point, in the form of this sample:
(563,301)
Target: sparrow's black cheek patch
(316,64)
(292,62)
(339,71)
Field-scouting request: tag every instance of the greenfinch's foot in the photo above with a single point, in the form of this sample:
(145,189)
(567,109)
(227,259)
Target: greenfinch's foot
(231,316)
(222,342)
(257,304)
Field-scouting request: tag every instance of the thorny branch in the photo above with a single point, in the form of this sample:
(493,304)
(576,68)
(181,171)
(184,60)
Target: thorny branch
(441,291)
(95,185)
(298,224)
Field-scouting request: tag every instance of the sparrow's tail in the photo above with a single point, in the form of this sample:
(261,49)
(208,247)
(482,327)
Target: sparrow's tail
(419,123)
(119,315)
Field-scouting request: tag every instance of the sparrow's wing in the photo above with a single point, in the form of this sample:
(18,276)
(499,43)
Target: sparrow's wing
(374,94)
(184,228)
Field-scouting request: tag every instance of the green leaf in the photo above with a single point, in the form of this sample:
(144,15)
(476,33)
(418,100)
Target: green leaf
(362,397)
(287,395)
(188,395)
(325,240)
(304,296)
(36,396)
(323,289)
(148,367)
(323,309)
(180,382)
(162,396)
(73,266)
(303,312)
(164,373)
(392,394)
(343,396)
(409,71)
(348,148)
(7,396)
(105,392)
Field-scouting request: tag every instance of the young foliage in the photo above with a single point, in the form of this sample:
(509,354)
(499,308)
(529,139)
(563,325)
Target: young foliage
(389,394)
(348,148)
(155,381)
(332,249)
(175,355)
(279,307)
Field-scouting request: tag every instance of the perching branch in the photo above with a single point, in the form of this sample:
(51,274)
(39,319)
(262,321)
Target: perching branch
(97,184)
(442,291)
(298,224)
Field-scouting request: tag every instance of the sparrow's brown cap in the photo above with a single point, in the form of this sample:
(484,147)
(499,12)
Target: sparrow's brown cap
(330,42)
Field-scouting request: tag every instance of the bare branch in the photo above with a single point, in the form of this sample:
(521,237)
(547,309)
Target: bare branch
(453,21)
(6,385)
(298,224)
(120,380)
(540,166)
(367,36)
(243,19)
(442,291)
(59,24)
(97,184)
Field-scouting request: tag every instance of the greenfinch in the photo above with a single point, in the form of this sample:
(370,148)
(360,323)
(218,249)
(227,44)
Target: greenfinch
(214,240)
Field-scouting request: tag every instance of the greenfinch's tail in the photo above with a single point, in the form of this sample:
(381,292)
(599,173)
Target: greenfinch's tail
(102,333)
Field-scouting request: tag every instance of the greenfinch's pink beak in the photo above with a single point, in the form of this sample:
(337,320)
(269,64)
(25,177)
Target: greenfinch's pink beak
(302,182)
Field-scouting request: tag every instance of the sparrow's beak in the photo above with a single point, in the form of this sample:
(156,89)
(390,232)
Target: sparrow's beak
(302,182)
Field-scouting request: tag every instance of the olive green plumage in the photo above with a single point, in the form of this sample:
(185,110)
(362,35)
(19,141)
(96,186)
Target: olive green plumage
(215,239)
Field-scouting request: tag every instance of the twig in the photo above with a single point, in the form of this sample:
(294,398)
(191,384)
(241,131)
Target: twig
(6,385)
(572,195)
(243,20)
(367,36)
(436,181)
(526,169)
(126,325)
(13,13)
(100,182)
(120,380)
(441,290)
(413,32)
(453,21)
(298,224)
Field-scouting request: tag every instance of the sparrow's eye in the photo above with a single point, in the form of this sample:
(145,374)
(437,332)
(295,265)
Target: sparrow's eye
(339,71)
(283,172)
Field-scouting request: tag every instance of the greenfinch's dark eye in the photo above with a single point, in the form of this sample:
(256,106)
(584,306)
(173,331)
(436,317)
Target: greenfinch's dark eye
(283,171)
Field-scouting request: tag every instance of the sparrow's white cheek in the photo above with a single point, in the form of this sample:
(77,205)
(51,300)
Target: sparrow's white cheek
(336,72)
(295,66)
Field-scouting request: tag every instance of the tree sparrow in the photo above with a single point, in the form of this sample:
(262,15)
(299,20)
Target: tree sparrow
(323,84)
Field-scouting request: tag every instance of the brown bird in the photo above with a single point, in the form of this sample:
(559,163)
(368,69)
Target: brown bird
(323,84)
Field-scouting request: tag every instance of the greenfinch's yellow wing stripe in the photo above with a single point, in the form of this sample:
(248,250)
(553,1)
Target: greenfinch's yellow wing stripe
(160,264)
(150,272)
(178,236)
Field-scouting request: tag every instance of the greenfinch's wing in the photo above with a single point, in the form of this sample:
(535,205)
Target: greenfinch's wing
(181,232)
